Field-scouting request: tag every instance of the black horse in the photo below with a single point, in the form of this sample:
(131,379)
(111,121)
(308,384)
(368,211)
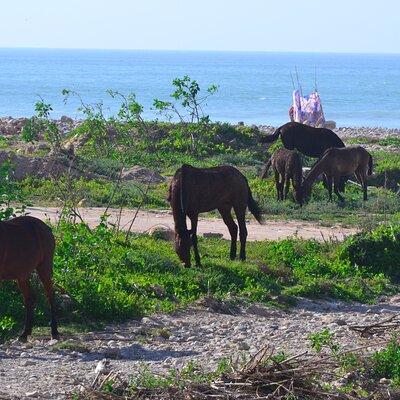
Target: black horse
(312,142)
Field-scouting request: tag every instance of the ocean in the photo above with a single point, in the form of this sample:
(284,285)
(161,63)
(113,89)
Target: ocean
(254,87)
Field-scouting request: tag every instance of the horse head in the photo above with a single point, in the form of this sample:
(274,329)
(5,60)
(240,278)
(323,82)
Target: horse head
(182,246)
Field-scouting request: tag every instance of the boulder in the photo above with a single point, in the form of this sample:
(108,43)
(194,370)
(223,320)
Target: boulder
(163,233)
(44,167)
(142,175)
(66,120)
(330,124)
(12,126)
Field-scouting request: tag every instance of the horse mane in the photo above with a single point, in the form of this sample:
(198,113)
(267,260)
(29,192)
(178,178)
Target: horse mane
(317,169)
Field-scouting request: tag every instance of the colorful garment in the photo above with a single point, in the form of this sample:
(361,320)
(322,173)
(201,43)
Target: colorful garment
(308,109)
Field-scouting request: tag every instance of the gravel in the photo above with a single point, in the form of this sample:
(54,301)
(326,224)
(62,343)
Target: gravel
(42,369)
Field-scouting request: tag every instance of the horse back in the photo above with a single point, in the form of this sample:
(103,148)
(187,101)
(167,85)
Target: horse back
(25,243)
(208,189)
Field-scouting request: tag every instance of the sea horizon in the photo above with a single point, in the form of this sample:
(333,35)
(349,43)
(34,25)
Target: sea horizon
(357,89)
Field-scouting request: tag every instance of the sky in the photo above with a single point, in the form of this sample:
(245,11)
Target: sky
(356,26)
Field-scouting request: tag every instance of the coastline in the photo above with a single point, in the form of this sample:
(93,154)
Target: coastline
(13,126)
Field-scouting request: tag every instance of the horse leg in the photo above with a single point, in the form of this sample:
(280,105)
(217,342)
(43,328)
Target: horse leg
(44,271)
(278,185)
(287,186)
(194,219)
(233,229)
(362,179)
(329,186)
(336,186)
(241,218)
(29,303)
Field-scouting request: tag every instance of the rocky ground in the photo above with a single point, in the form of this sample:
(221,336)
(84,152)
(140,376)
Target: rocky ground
(204,333)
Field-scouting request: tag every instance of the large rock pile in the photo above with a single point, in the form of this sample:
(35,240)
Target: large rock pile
(14,126)
(51,166)
(142,175)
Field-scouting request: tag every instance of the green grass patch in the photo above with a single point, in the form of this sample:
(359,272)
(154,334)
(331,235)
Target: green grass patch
(108,279)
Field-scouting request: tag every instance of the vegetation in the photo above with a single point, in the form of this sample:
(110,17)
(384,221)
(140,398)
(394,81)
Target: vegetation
(102,276)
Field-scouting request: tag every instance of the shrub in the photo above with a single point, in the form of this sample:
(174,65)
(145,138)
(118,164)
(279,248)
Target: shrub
(386,362)
(378,251)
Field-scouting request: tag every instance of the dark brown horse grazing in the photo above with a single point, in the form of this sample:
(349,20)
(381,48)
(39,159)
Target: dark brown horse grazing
(196,190)
(287,166)
(336,163)
(27,244)
(312,142)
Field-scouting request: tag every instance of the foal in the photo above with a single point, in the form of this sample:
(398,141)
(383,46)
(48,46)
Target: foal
(196,190)
(27,244)
(336,163)
(287,167)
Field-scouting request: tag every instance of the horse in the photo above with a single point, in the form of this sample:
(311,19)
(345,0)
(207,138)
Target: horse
(287,166)
(196,190)
(336,163)
(310,141)
(27,244)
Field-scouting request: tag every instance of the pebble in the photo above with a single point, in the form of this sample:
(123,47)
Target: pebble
(196,335)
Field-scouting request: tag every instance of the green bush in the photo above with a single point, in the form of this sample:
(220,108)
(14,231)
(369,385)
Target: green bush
(378,251)
(386,363)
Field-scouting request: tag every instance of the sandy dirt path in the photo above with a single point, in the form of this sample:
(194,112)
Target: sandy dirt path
(145,220)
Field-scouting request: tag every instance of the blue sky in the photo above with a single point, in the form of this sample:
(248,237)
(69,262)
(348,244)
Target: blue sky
(252,25)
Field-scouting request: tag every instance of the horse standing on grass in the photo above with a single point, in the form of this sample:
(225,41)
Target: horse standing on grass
(287,166)
(196,190)
(336,163)
(27,244)
(310,141)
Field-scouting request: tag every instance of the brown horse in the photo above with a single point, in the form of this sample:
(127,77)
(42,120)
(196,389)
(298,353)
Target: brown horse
(196,190)
(336,163)
(287,166)
(310,141)
(27,244)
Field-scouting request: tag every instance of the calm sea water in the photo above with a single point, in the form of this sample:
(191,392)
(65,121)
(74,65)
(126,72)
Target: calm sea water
(356,90)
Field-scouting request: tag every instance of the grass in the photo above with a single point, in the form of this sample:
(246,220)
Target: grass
(108,279)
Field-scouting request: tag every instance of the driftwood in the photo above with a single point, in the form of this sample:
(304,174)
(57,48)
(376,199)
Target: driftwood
(377,327)
(264,376)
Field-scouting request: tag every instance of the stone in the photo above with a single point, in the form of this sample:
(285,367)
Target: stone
(163,233)
(67,120)
(142,175)
(214,235)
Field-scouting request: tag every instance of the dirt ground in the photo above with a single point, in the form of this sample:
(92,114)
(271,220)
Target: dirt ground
(145,220)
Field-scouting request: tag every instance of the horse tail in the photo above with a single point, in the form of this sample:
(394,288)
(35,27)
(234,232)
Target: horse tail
(370,165)
(254,207)
(271,138)
(264,171)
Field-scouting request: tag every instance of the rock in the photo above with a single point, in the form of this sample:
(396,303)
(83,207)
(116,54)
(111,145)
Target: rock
(340,322)
(330,124)
(66,120)
(243,346)
(102,367)
(163,233)
(34,393)
(43,167)
(213,235)
(142,175)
